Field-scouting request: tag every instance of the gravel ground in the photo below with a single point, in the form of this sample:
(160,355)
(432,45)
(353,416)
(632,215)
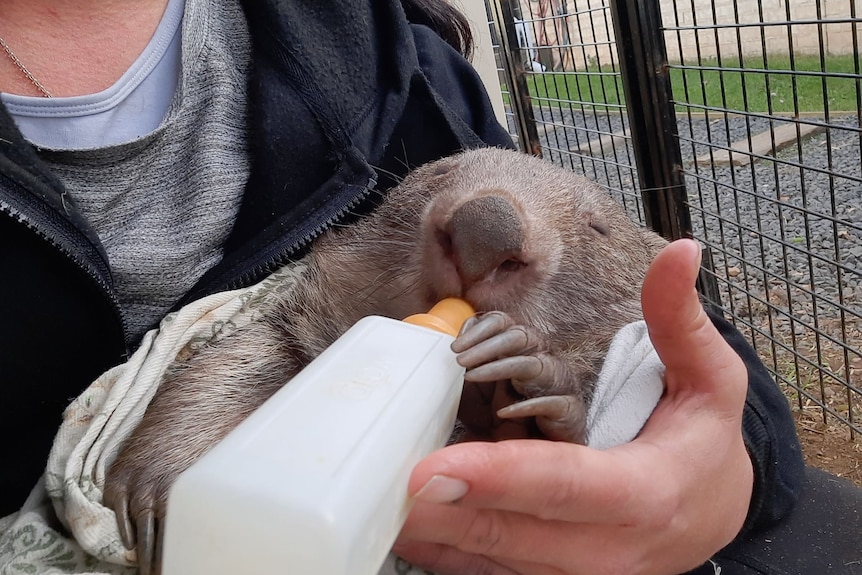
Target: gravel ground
(786,234)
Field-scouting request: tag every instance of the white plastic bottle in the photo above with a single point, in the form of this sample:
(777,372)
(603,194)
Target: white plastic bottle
(315,481)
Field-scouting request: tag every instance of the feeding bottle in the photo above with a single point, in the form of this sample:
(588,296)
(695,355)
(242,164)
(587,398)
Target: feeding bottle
(315,481)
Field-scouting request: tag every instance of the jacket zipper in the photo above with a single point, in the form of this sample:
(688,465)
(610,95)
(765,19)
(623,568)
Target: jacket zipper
(278,254)
(54,231)
(284,256)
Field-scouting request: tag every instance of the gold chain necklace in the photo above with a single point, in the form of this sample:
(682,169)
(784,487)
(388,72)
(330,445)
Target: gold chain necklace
(20,65)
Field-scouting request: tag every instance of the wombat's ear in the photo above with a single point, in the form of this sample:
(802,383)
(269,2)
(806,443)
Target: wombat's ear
(444,166)
(597,222)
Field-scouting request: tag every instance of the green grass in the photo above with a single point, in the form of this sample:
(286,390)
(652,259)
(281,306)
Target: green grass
(746,90)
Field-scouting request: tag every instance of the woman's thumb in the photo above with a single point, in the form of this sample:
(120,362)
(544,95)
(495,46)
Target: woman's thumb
(695,355)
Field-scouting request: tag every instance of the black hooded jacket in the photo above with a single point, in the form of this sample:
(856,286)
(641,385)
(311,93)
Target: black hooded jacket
(336,88)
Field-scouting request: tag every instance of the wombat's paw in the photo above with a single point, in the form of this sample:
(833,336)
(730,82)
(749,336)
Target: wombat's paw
(493,348)
(560,417)
(139,501)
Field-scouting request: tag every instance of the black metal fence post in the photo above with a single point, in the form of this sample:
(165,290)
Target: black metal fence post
(652,121)
(652,118)
(516,77)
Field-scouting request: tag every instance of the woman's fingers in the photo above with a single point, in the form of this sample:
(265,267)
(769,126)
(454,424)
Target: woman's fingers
(545,479)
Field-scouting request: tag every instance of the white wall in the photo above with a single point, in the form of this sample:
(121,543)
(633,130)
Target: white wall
(483,55)
(590,32)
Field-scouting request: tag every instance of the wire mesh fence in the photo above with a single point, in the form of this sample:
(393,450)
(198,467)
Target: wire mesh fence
(763,105)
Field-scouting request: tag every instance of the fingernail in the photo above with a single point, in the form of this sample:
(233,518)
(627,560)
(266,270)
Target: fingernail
(695,250)
(443,489)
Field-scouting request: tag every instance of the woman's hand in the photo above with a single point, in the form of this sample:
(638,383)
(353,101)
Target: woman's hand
(662,504)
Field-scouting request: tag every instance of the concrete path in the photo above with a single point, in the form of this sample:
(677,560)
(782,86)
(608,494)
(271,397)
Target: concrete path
(744,151)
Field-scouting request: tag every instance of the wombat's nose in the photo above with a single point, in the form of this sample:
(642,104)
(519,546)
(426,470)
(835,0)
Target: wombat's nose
(485,234)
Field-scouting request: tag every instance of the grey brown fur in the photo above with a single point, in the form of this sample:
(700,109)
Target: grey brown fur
(549,250)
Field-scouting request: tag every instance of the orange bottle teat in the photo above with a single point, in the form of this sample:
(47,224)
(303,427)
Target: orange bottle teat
(447,316)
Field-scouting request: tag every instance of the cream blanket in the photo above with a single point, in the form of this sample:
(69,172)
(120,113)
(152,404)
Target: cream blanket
(67,500)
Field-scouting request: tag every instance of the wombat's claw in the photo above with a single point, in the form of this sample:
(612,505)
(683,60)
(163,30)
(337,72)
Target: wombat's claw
(124,522)
(147,543)
(145,535)
(492,336)
(514,368)
(513,355)
(560,417)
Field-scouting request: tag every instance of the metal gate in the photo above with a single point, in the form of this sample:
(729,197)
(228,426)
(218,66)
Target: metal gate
(733,122)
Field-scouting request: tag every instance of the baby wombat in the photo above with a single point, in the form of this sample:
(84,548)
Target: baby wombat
(551,262)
